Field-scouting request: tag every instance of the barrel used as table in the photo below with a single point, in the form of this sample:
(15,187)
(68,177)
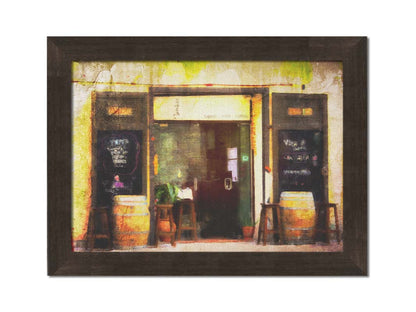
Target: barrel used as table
(131,221)
(297,211)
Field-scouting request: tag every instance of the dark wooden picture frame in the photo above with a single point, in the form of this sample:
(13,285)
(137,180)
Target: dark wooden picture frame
(351,51)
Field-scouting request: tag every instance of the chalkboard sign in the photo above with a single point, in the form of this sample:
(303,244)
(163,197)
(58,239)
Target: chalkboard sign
(300,161)
(119,165)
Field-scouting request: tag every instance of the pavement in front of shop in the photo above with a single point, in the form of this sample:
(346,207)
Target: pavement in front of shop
(234,246)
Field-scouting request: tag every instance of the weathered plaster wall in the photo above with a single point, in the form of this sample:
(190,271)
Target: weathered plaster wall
(256,144)
(287,77)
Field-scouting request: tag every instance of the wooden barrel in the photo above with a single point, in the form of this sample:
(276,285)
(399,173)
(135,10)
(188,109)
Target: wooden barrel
(297,211)
(131,221)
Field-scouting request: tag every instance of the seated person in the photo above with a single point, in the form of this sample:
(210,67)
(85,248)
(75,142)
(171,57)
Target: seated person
(117,183)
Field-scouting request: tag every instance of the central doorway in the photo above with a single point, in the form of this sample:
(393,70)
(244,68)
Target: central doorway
(212,158)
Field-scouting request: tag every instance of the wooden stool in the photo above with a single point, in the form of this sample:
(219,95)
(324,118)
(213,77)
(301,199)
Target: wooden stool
(327,230)
(263,222)
(102,215)
(191,205)
(164,212)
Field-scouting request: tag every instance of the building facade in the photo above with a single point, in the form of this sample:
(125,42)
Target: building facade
(237,133)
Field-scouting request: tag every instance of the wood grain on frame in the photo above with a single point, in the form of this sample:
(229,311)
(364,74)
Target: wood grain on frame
(352,51)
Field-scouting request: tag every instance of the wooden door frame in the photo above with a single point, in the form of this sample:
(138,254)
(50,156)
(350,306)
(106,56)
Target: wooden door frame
(206,91)
(324,128)
(96,126)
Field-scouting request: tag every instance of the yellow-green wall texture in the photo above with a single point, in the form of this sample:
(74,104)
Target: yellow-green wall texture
(279,77)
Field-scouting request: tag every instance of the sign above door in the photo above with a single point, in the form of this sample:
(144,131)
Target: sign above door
(204,107)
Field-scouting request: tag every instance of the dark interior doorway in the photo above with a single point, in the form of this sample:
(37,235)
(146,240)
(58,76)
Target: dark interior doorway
(213,158)
(218,193)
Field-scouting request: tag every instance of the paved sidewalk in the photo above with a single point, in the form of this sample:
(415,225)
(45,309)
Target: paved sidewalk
(236,246)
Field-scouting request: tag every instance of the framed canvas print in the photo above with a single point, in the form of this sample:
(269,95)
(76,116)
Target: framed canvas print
(207,156)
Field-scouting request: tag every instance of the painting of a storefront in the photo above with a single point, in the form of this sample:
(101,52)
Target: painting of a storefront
(224,136)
